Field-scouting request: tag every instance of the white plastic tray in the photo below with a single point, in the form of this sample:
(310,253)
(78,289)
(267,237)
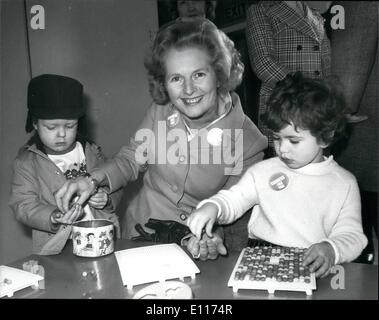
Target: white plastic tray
(154,263)
(19,279)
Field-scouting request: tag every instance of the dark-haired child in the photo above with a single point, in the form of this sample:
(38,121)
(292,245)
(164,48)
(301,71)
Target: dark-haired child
(54,154)
(300,198)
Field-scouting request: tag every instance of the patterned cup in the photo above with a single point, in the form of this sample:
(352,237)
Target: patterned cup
(93,238)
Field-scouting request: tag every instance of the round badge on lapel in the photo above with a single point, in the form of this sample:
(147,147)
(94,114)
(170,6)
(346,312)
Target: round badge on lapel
(214,137)
(183,216)
(173,119)
(278,181)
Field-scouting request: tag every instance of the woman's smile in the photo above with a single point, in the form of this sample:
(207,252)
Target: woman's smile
(192,101)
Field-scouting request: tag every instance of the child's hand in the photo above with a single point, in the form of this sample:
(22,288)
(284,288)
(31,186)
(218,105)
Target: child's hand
(205,216)
(99,199)
(207,248)
(320,258)
(69,217)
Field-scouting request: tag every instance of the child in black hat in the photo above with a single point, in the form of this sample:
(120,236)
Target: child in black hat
(55,153)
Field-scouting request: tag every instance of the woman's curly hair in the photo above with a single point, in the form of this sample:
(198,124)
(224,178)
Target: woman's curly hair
(188,33)
(310,104)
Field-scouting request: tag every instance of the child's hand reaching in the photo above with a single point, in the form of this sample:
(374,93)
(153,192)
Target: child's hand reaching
(319,258)
(69,217)
(99,199)
(204,217)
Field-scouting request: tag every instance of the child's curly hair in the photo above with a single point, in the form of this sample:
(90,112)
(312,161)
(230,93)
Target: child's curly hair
(188,33)
(310,104)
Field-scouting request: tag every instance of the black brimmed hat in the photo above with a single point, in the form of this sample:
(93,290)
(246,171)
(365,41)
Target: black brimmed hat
(53,96)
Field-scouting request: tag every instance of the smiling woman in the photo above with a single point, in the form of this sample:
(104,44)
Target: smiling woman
(193,69)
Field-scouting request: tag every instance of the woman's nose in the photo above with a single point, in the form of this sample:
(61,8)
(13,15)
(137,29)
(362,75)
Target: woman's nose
(189,87)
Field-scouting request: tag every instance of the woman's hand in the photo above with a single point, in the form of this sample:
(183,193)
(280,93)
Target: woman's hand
(81,186)
(207,248)
(320,258)
(69,217)
(204,217)
(99,199)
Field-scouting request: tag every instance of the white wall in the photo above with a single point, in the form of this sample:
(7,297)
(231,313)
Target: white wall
(14,239)
(102,43)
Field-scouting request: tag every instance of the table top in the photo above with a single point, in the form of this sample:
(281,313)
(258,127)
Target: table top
(64,279)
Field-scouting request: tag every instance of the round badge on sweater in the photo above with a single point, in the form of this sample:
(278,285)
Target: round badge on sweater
(214,137)
(278,181)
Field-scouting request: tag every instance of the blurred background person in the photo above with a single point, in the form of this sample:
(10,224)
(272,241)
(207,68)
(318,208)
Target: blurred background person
(187,8)
(284,37)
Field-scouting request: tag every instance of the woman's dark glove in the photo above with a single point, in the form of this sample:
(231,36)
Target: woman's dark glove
(166,231)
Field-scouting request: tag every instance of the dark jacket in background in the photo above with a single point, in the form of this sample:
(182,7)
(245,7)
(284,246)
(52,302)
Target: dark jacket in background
(355,62)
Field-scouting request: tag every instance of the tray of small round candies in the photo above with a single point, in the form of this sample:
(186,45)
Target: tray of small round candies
(272,268)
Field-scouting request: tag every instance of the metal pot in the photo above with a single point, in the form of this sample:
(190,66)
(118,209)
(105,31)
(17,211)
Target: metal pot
(93,238)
